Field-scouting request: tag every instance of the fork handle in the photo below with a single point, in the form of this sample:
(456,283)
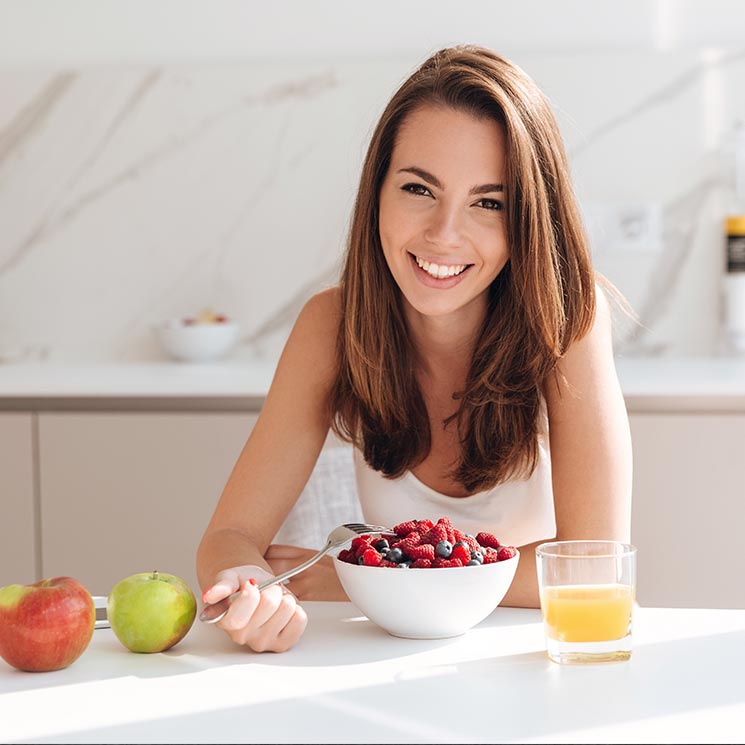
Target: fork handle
(295,570)
(216,611)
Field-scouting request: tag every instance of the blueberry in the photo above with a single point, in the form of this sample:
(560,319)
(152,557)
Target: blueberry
(403,565)
(382,545)
(473,563)
(477,556)
(359,561)
(395,554)
(461,543)
(443,549)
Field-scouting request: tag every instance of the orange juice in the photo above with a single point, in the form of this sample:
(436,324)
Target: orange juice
(587,613)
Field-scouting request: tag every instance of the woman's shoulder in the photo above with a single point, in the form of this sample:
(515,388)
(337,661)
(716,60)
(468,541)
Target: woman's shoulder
(324,308)
(320,317)
(314,335)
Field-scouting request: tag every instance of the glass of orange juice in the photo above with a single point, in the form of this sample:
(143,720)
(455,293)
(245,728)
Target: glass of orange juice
(587,590)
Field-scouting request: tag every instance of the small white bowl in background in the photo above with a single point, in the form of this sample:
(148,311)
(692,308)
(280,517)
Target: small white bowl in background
(197,342)
(427,603)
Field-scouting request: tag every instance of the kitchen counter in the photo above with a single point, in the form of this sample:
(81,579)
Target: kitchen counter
(348,681)
(665,384)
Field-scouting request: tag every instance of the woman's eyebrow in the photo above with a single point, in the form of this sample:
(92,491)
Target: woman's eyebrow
(434,181)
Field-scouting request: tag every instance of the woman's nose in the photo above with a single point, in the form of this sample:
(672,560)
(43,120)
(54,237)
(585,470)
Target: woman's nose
(445,227)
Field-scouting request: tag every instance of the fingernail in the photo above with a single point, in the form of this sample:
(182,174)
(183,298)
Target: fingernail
(254,582)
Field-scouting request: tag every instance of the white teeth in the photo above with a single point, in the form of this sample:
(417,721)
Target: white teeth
(439,271)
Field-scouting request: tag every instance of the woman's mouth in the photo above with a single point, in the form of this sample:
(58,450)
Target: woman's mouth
(439,275)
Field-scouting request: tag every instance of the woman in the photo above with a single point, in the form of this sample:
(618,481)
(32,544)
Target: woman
(466,353)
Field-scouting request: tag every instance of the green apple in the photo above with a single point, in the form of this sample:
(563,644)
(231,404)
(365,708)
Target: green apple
(151,611)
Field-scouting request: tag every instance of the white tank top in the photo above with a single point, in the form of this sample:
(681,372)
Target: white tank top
(516,512)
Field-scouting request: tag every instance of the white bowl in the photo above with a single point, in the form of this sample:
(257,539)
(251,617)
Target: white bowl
(199,342)
(427,603)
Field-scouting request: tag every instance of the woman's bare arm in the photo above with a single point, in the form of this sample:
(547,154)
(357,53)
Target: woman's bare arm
(281,451)
(590,451)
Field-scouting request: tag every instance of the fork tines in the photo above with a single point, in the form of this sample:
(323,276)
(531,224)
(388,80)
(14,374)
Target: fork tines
(362,528)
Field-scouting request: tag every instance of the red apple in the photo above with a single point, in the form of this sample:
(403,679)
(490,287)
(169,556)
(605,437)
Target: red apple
(46,625)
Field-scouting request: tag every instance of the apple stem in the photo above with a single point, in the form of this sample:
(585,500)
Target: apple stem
(155,574)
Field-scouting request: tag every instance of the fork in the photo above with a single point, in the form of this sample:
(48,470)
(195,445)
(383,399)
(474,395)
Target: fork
(213,612)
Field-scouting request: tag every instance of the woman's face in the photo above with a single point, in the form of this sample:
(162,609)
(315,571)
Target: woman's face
(442,218)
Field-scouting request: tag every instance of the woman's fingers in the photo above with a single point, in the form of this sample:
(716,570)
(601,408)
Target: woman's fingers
(267,638)
(270,602)
(270,620)
(293,629)
(242,609)
(227,582)
(217,592)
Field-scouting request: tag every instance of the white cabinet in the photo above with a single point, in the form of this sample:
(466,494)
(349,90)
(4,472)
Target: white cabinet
(18,537)
(689,509)
(100,496)
(131,492)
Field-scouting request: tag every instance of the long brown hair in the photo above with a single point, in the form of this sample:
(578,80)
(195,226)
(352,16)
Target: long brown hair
(542,300)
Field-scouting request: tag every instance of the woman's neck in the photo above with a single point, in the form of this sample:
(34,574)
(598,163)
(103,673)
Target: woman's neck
(444,344)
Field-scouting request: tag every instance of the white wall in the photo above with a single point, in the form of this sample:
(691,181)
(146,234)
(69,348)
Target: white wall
(77,32)
(160,156)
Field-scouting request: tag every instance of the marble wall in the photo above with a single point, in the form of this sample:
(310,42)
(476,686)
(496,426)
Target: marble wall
(133,194)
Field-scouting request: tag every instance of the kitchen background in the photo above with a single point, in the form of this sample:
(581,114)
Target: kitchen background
(160,157)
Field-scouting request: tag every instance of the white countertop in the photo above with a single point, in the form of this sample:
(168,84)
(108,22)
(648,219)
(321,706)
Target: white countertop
(664,384)
(347,681)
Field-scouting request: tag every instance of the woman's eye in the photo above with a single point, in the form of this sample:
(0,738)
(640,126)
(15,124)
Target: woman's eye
(491,204)
(419,189)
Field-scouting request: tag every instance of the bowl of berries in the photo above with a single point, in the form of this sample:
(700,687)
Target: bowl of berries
(426,580)
(205,337)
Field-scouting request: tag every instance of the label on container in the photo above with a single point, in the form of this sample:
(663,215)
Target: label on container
(736,253)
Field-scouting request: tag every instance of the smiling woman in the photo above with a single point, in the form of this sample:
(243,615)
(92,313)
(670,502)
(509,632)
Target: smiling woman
(465,353)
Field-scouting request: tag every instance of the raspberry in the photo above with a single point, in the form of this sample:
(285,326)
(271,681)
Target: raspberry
(472,543)
(424,551)
(371,558)
(444,522)
(490,556)
(411,541)
(435,534)
(363,540)
(507,552)
(439,563)
(487,539)
(403,529)
(361,550)
(462,553)
(421,544)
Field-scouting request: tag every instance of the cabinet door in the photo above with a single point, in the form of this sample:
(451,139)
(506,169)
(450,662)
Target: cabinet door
(18,544)
(689,509)
(131,492)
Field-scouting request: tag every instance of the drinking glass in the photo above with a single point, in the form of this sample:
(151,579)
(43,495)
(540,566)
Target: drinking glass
(588,590)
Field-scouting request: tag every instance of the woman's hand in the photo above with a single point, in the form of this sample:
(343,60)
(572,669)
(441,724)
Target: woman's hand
(267,621)
(319,582)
